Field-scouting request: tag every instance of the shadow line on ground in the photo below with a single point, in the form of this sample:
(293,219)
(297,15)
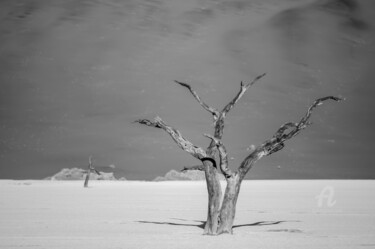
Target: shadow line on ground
(202,223)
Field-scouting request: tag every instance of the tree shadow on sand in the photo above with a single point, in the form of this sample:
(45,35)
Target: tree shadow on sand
(202,223)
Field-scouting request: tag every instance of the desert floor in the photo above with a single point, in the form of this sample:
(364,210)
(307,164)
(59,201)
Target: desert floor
(270,214)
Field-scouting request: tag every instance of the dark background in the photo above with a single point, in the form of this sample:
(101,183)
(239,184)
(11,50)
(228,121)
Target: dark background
(74,74)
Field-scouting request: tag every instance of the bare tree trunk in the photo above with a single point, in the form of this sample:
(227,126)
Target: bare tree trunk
(89,170)
(228,208)
(214,199)
(87,178)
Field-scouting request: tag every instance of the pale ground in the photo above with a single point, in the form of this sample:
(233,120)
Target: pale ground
(270,214)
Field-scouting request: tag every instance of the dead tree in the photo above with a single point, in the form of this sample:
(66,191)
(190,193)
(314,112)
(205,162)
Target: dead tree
(90,169)
(220,216)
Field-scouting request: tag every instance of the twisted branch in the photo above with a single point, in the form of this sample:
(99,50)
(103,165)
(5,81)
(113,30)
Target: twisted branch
(197,167)
(147,123)
(284,133)
(304,120)
(213,111)
(277,142)
(183,143)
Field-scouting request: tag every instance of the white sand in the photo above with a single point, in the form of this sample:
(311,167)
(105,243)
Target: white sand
(270,214)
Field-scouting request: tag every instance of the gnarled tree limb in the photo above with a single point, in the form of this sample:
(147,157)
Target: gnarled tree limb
(183,143)
(277,142)
(213,111)
(249,161)
(147,122)
(317,102)
(284,133)
(197,167)
(283,128)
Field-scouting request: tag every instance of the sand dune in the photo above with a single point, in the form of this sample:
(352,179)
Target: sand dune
(76,73)
(270,214)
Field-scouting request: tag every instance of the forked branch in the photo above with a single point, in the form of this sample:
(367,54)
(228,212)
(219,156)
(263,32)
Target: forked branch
(219,116)
(219,122)
(242,91)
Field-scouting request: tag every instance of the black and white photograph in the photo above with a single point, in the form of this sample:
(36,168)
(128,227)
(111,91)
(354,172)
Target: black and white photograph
(168,124)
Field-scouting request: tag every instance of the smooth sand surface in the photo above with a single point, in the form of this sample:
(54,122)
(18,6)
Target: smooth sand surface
(270,214)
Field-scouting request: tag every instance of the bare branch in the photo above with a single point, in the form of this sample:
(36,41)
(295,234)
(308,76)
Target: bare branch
(276,143)
(213,111)
(283,128)
(197,167)
(223,156)
(304,120)
(219,121)
(183,143)
(147,122)
(243,89)
(249,161)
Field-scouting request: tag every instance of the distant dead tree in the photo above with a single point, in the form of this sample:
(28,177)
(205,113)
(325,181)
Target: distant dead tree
(90,169)
(220,215)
